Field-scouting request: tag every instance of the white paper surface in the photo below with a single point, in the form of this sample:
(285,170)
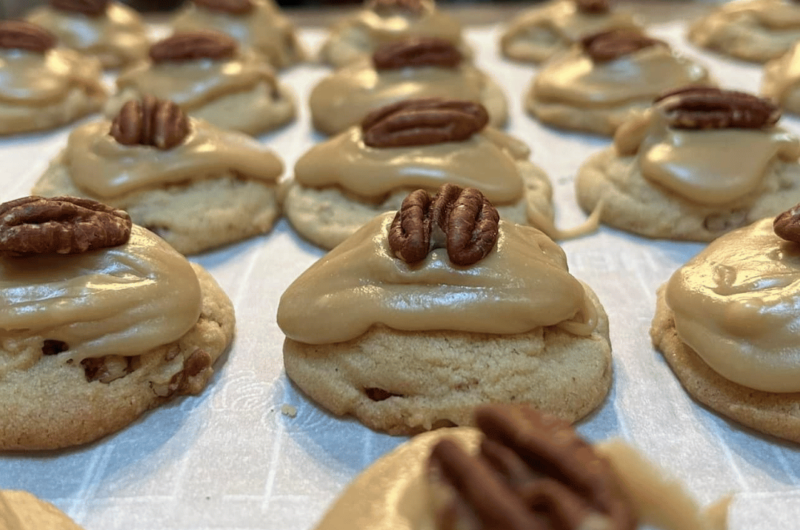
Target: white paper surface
(229,459)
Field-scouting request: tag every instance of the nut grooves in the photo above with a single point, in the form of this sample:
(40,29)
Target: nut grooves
(91,8)
(787,224)
(593,7)
(711,108)
(150,121)
(20,35)
(191,45)
(417,53)
(612,44)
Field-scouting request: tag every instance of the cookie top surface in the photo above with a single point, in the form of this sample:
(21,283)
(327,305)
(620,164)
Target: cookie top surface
(775,15)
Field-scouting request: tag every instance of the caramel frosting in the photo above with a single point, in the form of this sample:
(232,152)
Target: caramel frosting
(486,161)
(574,79)
(119,32)
(773,14)
(782,77)
(191,84)
(737,305)
(35,79)
(522,285)
(106,169)
(710,167)
(126,300)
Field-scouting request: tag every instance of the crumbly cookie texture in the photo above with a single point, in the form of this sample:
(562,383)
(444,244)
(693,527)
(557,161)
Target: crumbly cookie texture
(771,413)
(405,382)
(51,405)
(20,510)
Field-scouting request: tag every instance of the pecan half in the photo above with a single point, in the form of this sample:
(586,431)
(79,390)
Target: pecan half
(608,45)
(423,122)
(787,224)
(696,107)
(416,53)
(593,6)
(150,121)
(91,8)
(388,7)
(533,472)
(61,225)
(191,45)
(21,35)
(467,225)
(234,7)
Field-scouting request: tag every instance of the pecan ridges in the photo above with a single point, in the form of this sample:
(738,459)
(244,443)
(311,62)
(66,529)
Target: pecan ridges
(696,107)
(61,225)
(787,224)
(21,35)
(612,44)
(416,53)
(414,7)
(191,45)
(150,121)
(423,122)
(90,8)
(234,7)
(593,6)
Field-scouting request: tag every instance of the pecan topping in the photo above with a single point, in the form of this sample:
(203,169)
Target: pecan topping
(191,45)
(608,45)
(696,107)
(234,7)
(90,8)
(388,7)
(416,53)
(151,121)
(787,224)
(20,35)
(423,122)
(533,472)
(593,6)
(461,220)
(61,225)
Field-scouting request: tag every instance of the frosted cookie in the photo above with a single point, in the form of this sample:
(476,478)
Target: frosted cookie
(726,323)
(384,21)
(408,69)
(781,81)
(210,78)
(539,33)
(43,87)
(195,185)
(518,470)
(700,163)
(110,31)
(19,510)
(99,320)
(256,24)
(425,313)
(344,182)
(597,84)
(753,30)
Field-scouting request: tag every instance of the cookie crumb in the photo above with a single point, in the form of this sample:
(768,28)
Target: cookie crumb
(289,410)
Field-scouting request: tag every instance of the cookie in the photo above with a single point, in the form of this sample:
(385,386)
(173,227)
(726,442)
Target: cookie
(255,24)
(408,340)
(662,179)
(101,322)
(19,510)
(752,30)
(780,83)
(207,74)
(724,323)
(210,188)
(44,87)
(599,82)
(408,69)
(539,33)
(109,31)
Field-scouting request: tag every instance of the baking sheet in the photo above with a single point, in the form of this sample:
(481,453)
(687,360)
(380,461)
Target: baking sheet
(231,459)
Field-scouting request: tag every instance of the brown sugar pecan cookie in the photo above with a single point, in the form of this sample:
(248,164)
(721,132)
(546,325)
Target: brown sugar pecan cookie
(100,320)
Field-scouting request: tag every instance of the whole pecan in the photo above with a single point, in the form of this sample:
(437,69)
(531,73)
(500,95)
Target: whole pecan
(467,225)
(593,6)
(423,122)
(533,472)
(90,8)
(191,45)
(787,224)
(416,53)
(696,107)
(150,121)
(234,7)
(387,7)
(61,225)
(612,44)
(21,35)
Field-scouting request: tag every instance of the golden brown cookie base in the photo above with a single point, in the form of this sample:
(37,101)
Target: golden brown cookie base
(603,121)
(771,413)
(440,376)
(51,405)
(18,119)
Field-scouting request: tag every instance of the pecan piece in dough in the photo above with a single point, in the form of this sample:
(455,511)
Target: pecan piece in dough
(91,8)
(61,225)
(593,6)
(533,472)
(150,121)
(416,53)
(192,45)
(423,122)
(787,224)
(234,7)
(21,35)
(696,107)
(608,45)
